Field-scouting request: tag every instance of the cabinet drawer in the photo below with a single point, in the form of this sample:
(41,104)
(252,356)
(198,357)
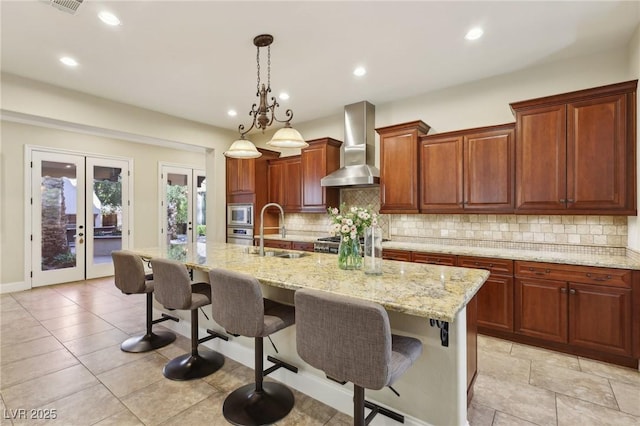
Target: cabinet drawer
(579,274)
(299,245)
(278,244)
(434,258)
(396,255)
(495,266)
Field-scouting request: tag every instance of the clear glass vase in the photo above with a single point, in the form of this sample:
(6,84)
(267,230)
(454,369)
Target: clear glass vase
(373,251)
(349,256)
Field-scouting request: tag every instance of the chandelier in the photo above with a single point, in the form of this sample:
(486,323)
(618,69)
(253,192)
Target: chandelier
(264,115)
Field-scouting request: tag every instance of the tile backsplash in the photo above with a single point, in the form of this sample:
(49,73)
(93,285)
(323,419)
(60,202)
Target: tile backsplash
(579,234)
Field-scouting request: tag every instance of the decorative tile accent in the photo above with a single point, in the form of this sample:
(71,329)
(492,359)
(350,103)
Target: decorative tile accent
(600,235)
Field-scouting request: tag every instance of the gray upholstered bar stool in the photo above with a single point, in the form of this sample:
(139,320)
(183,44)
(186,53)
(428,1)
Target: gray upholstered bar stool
(130,278)
(351,341)
(239,307)
(174,290)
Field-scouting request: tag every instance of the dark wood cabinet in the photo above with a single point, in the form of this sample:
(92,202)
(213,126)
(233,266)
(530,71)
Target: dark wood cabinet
(401,255)
(285,183)
(399,172)
(241,176)
(279,244)
(468,170)
(584,307)
(320,158)
(434,258)
(495,298)
(576,152)
(301,245)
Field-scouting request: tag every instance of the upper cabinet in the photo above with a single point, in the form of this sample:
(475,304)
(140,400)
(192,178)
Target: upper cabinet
(241,176)
(399,185)
(468,171)
(576,152)
(285,183)
(320,158)
(294,182)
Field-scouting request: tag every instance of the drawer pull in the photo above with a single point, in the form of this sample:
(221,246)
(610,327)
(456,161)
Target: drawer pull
(573,291)
(563,290)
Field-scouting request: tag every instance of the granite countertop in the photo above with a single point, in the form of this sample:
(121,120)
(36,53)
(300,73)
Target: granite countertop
(583,259)
(431,291)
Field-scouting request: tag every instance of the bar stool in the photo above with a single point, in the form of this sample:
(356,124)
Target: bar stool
(130,278)
(174,290)
(239,307)
(351,341)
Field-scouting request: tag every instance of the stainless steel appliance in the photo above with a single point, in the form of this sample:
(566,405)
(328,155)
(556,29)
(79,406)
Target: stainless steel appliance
(242,236)
(240,215)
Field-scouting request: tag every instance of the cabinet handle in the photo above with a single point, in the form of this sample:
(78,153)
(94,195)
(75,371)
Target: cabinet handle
(562,200)
(573,291)
(563,290)
(570,200)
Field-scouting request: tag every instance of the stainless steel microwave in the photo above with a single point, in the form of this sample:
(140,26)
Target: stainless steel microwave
(240,215)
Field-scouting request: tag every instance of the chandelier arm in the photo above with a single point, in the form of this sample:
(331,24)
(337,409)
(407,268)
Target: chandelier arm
(289,115)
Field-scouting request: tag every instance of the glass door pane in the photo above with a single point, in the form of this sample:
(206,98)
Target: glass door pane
(58,253)
(178,205)
(107,213)
(200,204)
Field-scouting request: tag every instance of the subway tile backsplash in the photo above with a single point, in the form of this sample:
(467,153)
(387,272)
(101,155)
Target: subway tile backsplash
(571,234)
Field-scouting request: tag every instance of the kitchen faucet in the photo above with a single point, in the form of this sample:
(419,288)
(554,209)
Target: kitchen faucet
(283,231)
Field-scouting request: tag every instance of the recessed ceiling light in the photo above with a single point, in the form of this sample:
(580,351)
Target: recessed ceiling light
(359,72)
(68,61)
(232,113)
(284,96)
(474,33)
(109,18)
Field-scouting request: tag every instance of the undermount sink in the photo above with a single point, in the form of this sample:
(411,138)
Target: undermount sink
(278,253)
(291,255)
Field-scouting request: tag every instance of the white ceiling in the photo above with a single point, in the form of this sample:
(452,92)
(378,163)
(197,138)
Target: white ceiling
(196,59)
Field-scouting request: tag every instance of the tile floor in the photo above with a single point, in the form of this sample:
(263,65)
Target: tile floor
(59,350)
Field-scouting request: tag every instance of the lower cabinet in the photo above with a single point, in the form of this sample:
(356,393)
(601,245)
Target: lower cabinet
(583,307)
(301,245)
(402,255)
(281,244)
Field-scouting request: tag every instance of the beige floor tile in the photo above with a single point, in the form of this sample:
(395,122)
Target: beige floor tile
(8,303)
(340,419)
(180,346)
(573,383)
(48,313)
(95,342)
(109,358)
(48,388)
(164,399)
(9,318)
(206,412)
(229,379)
(491,344)
(295,418)
(84,329)
(520,400)
(550,357)
(572,412)
(11,353)
(30,368)
(21,323)
(480,415)
(54,301)
(68,320)
(123,418)
(610,371)
(16,336)
(312,410)
(627,396)
(504,419)
(503,366)
(135,375)
(38,293)
(85,407)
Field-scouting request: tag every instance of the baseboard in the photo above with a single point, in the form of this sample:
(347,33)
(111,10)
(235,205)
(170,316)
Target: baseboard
(13,287)
(319,388)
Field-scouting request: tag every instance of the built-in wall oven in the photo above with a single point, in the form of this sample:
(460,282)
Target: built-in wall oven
(240,224)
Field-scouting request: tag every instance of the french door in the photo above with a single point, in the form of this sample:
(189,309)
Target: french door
(183,208)
(79,214)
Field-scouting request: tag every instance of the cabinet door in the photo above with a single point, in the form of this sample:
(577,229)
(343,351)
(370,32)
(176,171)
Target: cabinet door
(434,258)
(293,185)
(541,159)
(275,177)
(600,318)
(301,245)
(241,176)
(495,303)
(596,154)
(489,171)
(399,173)
(541,309)
(313,169)
(402,255)
(441,174)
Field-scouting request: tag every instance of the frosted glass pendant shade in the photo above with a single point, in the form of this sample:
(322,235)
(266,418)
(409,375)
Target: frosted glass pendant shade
(242,148)
(287,137)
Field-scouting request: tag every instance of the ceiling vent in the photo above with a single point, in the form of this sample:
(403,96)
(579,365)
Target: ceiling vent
(69,6)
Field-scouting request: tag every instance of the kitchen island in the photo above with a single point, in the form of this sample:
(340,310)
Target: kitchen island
(421,300)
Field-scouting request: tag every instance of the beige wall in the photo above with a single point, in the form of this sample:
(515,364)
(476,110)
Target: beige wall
(71,120)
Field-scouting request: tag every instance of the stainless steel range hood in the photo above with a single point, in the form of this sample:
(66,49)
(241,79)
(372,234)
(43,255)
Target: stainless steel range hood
(358,149)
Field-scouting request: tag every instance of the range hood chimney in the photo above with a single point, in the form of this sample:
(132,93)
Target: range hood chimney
(359,149)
